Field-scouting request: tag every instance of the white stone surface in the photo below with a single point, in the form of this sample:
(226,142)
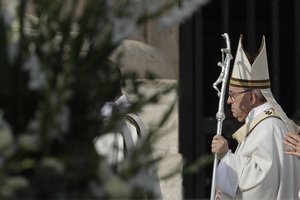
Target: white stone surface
(167,144)
(141,58)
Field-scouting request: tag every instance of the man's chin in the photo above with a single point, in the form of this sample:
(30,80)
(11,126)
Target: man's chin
(237,118)
(234,115)
(241,120)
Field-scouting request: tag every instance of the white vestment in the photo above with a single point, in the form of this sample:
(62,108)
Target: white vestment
(259,169)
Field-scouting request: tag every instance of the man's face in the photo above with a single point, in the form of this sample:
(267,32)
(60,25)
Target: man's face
(240,101)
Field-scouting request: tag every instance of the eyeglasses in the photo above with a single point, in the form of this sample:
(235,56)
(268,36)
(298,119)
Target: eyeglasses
(233,96)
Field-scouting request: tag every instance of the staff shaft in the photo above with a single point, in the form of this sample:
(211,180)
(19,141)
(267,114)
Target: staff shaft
(220,116)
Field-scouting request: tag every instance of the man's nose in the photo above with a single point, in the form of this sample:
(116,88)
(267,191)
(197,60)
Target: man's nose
(229,100)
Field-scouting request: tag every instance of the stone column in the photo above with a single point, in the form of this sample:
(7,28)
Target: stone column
(156,50)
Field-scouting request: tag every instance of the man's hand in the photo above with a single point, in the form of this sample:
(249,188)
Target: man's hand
(218,194)
(219,145)
(293,142)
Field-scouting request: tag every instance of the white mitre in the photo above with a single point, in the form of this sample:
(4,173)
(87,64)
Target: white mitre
(255,75)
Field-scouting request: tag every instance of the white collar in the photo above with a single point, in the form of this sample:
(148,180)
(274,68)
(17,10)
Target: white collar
(257,110)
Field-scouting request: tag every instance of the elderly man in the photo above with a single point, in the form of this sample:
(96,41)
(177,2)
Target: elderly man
(258,169)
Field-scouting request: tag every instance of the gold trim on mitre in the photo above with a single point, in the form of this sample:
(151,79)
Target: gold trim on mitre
(247,75)
(255,84)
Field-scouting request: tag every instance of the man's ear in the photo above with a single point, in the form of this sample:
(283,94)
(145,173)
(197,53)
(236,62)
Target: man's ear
(253,98)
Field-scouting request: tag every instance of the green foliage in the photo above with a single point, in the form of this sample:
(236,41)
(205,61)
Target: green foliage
(54,78)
